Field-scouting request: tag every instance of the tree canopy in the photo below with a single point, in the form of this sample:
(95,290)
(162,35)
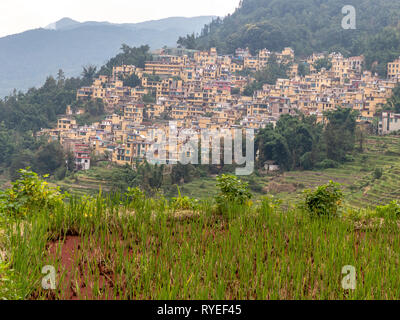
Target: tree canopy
(309,26)
(299,142)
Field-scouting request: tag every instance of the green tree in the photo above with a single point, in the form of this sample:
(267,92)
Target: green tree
(188,42)
(49,158)
(294,143)
(132,81)
(393,103)
(322,63)
(88,74)
(136,56)
(339,133)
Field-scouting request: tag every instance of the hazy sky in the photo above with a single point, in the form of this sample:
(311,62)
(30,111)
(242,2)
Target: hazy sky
(21,15)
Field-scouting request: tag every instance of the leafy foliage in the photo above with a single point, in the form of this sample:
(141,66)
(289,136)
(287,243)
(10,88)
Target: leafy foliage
(294,143)
(378,172)
(28,194)
(392,210)
(322,63)
(232,190)
(393,103)
(309,26)
(299,142)
(183,203)
(339,133)
(132,81)
(8,286)
(147,177)
(324,200)
(88,74)
(269,75)
(188,42)
(39,108)
(136,56)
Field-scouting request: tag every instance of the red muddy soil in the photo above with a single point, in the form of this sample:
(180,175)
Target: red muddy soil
(75,272)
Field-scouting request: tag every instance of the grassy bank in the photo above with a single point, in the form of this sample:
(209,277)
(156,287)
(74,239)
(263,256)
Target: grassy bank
(360,186)
(141,248)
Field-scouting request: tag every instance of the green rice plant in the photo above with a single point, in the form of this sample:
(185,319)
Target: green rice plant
(265,251)
(8,287)
(183,203)
(269,205)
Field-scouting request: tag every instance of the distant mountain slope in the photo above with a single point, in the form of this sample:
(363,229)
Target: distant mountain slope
(309,26)
(27,58)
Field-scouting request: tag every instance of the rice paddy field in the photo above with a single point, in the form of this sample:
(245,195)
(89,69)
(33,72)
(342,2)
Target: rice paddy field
(114,247)
(105,248)
(357,179)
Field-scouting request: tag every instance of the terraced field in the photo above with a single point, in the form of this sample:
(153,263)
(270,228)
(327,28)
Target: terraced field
(87,182)
(360,186)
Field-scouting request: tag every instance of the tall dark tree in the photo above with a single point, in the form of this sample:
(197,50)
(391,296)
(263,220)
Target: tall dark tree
(89,73)
(339,133)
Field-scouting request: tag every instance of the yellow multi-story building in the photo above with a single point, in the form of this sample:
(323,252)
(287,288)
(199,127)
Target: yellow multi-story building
(134,112)
(251,63)
(394,69)
(65,123)
(163,68)
(236,66)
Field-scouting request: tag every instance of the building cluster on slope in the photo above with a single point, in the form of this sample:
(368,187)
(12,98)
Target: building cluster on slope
(203,90)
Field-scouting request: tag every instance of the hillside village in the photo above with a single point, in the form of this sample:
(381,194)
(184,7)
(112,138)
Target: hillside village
(203,90)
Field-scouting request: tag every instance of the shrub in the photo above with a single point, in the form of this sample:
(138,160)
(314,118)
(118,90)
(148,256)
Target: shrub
(183,203)
(392,210)
(378,172)
(136,198)
(134,194)
(327,163)
(306,161)
(232,191)
(29,193)
(364,158)
(255,186)
(60,173)
(324,200)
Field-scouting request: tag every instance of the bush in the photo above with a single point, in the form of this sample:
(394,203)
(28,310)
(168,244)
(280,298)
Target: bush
(29,193)
(60,173)
(232,191)
(136,198)
(306,161)
(324,200)
(327,163)
(183,203)
(254,185)
(378,172)
(392,210)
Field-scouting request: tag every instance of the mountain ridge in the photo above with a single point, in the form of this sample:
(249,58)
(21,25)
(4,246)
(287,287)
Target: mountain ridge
(27,58)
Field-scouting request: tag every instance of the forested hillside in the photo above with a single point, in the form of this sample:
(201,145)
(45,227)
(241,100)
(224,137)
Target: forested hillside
(309,26)
(26,59)
(22,115)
